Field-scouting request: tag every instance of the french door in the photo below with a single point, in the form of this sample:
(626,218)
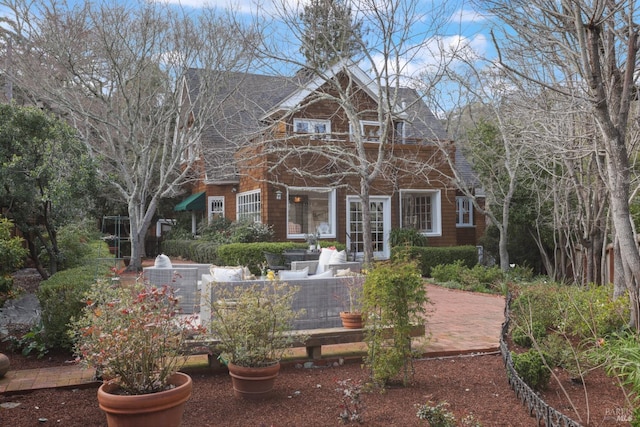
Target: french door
(380,207)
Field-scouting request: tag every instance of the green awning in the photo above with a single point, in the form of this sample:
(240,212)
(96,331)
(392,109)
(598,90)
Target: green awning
(195,202)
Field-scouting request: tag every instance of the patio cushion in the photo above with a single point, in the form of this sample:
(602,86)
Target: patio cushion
(162,261)
(328,273)
(227,274)
(323,261)
(338,257)
(291,274)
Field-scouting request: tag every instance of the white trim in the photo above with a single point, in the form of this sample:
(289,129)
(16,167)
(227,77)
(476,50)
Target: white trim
(210,200)
(297,97)
(311,131)
(332,220)
(386,223)
(436,207)
(459,214)
(258,202)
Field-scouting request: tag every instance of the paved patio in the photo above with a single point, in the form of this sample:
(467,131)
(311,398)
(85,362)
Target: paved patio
(459,323)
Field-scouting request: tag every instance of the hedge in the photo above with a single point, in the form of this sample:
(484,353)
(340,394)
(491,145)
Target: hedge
(429,257)
(247,254)
(61,298)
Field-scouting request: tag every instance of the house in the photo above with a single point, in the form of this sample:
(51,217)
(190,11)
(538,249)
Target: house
(282,151)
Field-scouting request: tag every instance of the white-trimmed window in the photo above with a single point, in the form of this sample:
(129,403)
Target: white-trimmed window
(311,210)
(464,212)
(420,210)
(319,129)
(216,207)
(248,206)
(370,130)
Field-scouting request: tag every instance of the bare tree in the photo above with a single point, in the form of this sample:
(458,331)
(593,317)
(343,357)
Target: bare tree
(114,72)
(392,36)
(591,47)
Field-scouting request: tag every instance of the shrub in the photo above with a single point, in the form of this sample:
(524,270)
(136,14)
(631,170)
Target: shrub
(61,299)
(12,254)
(429,257)
(448,272)
(593,312)
(542,301)
(531,368)
(437,415)
(406,237)
(394,296)
(523,335)
(77,243)
(481,278)
(620,354)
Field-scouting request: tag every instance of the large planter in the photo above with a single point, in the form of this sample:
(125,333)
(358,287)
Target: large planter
(253,383)
(162,409)
(351,320)
(4,364)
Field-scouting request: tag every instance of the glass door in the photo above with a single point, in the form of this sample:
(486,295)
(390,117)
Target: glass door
(380,226)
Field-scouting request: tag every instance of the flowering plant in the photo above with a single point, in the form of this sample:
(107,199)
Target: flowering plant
(133,335)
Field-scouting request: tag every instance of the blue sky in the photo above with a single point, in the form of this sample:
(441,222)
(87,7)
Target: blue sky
(465,27)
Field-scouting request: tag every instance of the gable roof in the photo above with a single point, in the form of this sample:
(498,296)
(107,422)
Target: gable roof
(248,100)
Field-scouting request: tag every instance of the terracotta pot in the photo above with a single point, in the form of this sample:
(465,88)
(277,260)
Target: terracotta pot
(4,364)
(164,408)
(352,320)
(253,383)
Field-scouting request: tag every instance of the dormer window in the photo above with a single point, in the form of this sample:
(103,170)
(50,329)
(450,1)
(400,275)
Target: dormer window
(318,129)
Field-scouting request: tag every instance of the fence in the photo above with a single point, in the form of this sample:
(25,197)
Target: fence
(537,407)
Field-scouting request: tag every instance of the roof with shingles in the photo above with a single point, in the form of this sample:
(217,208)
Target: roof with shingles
(246,97)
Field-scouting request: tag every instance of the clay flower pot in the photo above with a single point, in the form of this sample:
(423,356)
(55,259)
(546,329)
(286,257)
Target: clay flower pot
(253,383)
(162,409)
(351,320)
(4,364)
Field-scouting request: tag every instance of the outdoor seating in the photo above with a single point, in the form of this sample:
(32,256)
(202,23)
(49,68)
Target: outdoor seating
(184,280)
(275,262)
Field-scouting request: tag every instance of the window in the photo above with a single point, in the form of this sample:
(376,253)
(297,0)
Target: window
(249,206)
(311,210)
(370,130)
(464,212)
(216,207)
(318,128)
(420,209)
(398,131)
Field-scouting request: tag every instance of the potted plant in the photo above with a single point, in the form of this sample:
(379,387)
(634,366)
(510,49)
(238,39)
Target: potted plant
(252,325)
(352,317)
(134,336)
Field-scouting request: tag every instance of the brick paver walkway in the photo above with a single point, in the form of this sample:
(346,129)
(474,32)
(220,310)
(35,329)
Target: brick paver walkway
(459,323)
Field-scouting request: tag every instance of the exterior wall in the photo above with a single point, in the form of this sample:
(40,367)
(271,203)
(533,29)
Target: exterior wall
(253,166)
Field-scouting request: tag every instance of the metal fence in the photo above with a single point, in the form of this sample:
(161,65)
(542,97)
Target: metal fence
(538,408)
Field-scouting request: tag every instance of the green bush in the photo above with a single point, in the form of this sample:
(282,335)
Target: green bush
(77,243)
(620,354)
(12,254)
(531,369)
(593,312)
(429,257)
(540,301)
(406,237)
(393,296)
(448,272)
(524,336)
(481,278)
(61,299)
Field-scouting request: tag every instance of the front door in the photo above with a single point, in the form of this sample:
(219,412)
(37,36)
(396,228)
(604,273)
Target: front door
(380,207)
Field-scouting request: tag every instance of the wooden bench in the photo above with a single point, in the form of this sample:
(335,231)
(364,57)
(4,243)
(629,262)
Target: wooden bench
(315,339)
